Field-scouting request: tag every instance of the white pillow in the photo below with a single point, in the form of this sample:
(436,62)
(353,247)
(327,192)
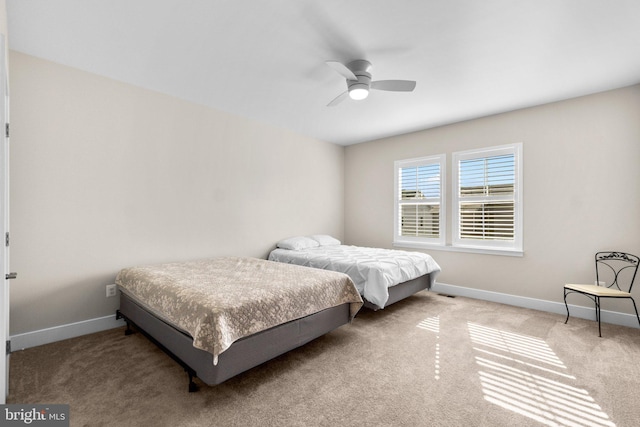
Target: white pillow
(297,243)
(325,240)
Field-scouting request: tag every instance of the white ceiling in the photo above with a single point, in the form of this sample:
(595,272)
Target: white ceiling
(266,59)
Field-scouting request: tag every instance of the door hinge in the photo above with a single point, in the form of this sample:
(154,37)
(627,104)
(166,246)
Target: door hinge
(6,129)
(6,239)
(8,346)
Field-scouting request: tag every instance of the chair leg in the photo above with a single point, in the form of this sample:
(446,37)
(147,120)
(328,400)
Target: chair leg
(566,305)
(636,309)
(597,300)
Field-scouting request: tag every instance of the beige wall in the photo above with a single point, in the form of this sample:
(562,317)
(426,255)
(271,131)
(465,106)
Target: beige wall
(581,191)
(105,175)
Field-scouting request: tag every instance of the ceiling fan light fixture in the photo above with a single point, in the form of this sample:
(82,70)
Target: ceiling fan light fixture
(358,76)
(358,91)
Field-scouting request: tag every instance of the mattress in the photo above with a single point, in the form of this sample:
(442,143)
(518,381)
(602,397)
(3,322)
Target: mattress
(218,301)
(373,270)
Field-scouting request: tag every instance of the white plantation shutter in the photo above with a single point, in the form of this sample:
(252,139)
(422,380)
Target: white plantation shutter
(487,221)
(419,200)
(487,198)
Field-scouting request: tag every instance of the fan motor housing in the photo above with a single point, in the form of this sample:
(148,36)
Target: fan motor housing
(361,68)
(363,82)
(360,65)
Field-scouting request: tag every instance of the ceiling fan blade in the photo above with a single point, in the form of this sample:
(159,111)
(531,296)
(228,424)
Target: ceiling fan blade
(394,85)
(338,99)
(342,69)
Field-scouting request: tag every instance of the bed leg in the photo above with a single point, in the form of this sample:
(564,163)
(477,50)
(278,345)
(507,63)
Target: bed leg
(119,315)
(128,331)
(193,387)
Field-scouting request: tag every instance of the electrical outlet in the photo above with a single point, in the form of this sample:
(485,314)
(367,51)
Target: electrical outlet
(111,290)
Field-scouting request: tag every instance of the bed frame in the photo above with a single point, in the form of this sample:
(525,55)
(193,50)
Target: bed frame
(402,291)
(243,354)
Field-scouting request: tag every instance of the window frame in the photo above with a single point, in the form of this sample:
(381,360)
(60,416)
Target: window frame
(415,241)
(514,246)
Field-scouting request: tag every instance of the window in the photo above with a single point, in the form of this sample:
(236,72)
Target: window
(419,205)
(487,198)
(486,207)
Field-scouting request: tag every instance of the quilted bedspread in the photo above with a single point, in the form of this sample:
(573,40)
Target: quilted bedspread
(220,300)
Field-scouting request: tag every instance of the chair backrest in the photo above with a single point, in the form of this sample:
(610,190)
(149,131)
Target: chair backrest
(617,269)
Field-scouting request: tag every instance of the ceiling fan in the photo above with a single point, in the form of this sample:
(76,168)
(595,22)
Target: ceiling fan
(358,75)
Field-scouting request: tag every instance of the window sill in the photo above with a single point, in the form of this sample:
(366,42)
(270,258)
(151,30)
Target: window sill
(466,249)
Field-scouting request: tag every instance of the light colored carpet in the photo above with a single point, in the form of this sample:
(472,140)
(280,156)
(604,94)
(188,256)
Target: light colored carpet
(430,360)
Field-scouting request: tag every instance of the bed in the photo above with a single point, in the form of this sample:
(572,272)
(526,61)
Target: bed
(382,276)
(222,316)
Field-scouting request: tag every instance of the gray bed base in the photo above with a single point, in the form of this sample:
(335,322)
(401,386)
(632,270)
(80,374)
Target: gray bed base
(403,290)
(243,354)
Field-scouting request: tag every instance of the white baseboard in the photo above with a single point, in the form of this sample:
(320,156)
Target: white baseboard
(612,317)
(72,330)
(63,332)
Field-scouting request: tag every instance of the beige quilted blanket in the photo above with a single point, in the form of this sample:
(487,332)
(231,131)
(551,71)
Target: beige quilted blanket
(220,300)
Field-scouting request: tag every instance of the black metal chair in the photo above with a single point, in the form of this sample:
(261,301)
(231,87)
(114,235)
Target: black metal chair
(615,273)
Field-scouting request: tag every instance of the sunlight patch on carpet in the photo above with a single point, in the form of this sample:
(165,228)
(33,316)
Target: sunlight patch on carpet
(523,374)
(432,324)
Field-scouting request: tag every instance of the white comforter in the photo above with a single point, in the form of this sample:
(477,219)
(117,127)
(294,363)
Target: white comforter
(373,270)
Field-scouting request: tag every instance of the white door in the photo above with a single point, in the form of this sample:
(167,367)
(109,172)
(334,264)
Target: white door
(4,221)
